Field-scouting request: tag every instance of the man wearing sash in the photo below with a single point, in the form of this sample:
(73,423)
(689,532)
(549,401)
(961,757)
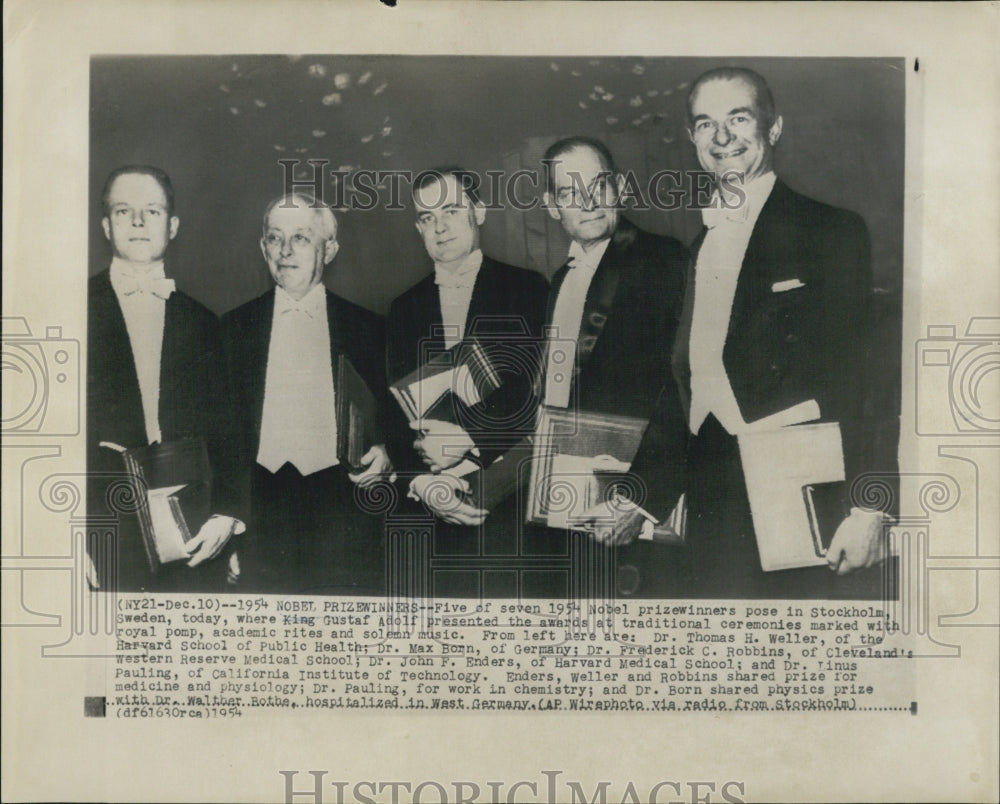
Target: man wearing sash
(616,302)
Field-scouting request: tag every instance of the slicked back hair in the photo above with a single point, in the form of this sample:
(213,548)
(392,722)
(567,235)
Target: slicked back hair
(763,98)
(567,144)
(465,179)
(156,173)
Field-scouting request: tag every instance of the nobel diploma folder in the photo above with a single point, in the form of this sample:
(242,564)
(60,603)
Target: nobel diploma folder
(672,530)
(173,481)
(494,483)
(579,460)
(462,375)
(424,387)
(357,415)
(429,391)
(797,492)
(827,507)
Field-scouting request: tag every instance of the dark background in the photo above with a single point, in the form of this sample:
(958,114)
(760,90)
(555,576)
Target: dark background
(219,124)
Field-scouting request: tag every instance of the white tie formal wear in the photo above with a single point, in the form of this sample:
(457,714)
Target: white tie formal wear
(716,274)
(455,288)
(142,291)
(299,422)
(567,319)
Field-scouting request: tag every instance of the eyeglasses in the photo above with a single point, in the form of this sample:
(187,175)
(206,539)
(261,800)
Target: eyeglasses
(276,242)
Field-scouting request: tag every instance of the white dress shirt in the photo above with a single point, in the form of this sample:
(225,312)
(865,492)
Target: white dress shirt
(142,291)
(716,273)
(567,319)
(455,293)
(299,422)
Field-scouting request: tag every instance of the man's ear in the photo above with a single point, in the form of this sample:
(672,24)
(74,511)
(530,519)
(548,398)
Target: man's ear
(175,224)
(774,133)
(106,226)
(330,249)
(690,132)
(480,212)
(549,206)
(263,249)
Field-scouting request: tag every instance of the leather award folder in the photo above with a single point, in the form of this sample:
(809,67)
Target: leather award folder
(173,483)
(797,492)
(581,459)
(827,507)
(498,481)
(461,374)
(357,415)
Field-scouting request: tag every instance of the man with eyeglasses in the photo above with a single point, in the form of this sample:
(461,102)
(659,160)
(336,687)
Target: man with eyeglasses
(306,532)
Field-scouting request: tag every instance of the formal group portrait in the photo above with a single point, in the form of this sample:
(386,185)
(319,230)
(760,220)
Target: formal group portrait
(495,327)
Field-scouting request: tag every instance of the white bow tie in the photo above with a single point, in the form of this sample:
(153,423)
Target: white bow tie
(464,277)
(713,216)
(588,259)
(454,281)
(309,310)
(159,286)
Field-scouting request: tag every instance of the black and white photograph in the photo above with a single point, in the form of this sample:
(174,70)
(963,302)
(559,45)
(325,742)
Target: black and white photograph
(444,213)
(621,380)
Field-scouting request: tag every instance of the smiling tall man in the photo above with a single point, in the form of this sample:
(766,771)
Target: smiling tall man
(775,329)
(307,534)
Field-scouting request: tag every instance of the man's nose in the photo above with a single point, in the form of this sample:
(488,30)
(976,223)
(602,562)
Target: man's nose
(286,247)
(722,136)
(138,217)
(440,224)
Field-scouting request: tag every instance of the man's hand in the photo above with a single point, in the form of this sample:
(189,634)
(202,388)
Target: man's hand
(442,494)
(233,574)
(614,523)
(441,444)
(212,537)
(376,462)
(858,542)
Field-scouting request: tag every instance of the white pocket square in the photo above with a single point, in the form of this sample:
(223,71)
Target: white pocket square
(786,284)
